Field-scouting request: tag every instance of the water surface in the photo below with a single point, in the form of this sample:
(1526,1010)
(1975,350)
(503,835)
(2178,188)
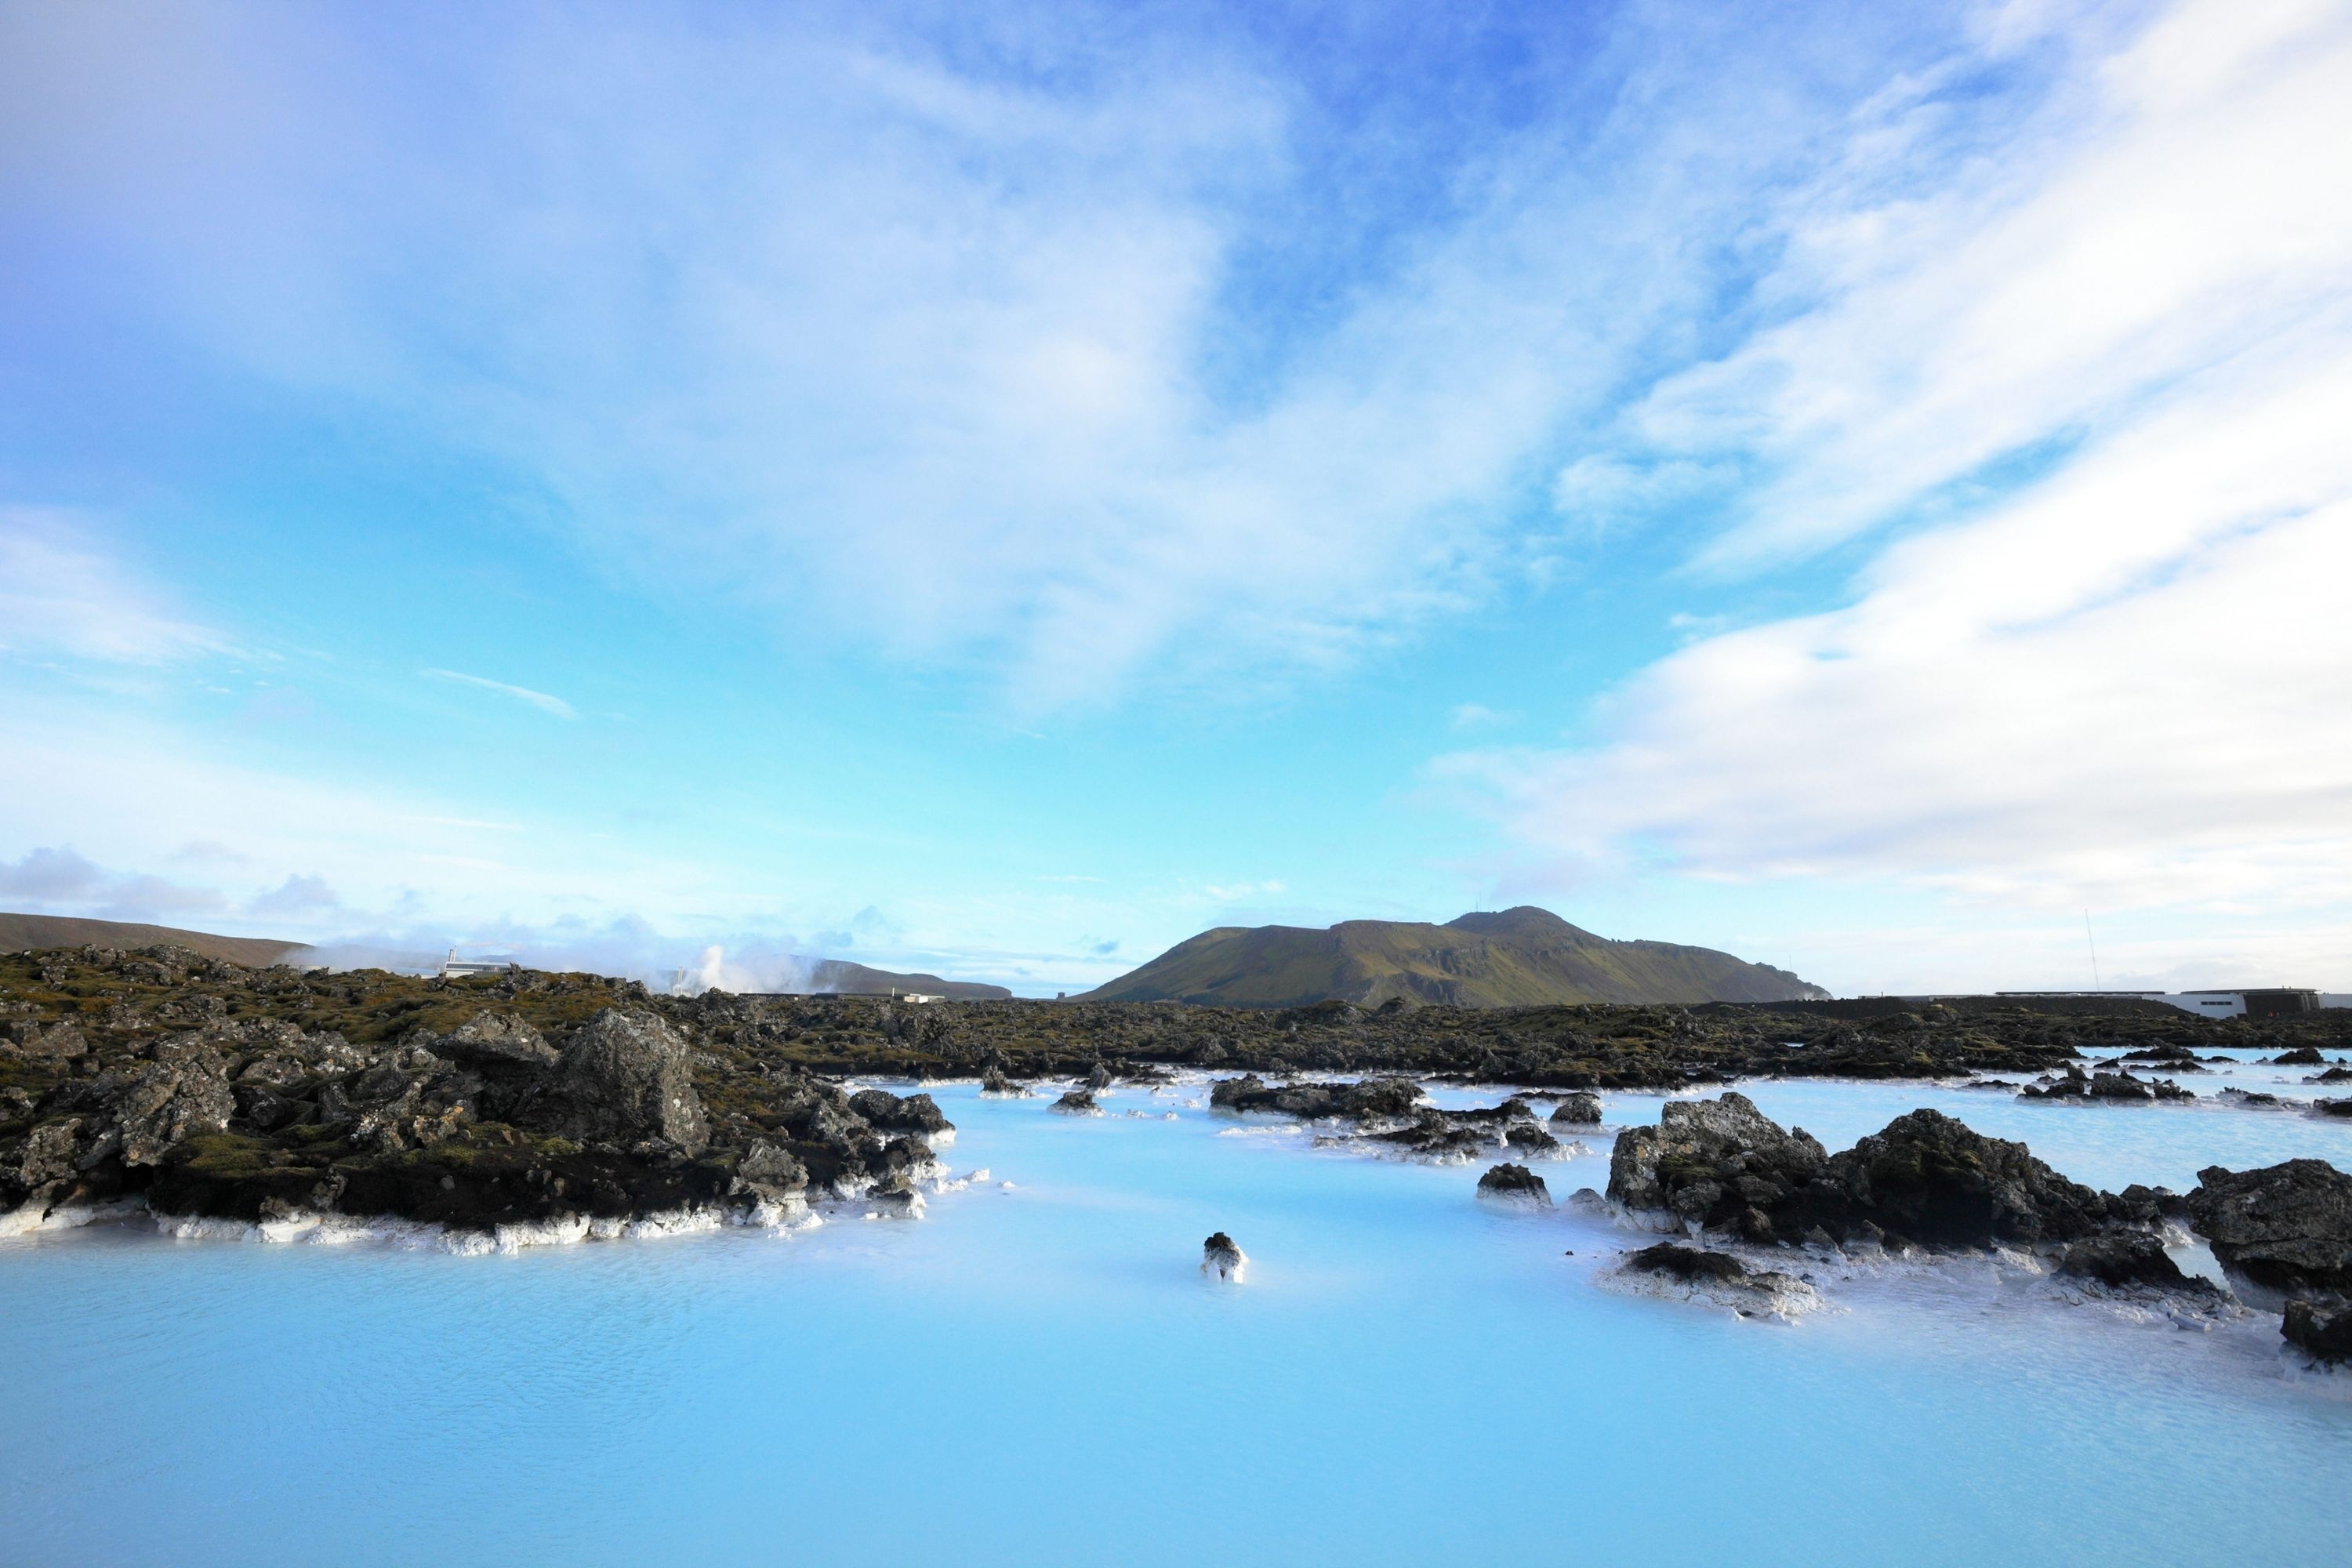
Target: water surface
(1040,1375)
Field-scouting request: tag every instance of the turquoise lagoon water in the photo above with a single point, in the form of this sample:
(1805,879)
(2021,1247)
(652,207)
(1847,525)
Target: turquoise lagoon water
(1040,1375)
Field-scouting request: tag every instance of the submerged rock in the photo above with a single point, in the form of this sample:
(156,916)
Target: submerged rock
(995,1082)
(2128,1260)
(2287,1227)
(1514,1184)
(1692,1273)
(1223,1259)
(1373,1097)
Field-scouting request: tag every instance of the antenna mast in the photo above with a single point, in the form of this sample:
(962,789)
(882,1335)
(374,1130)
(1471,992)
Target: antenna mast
(2095,982)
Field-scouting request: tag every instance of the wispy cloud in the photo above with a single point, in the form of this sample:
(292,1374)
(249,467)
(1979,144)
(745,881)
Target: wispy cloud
(1034,355)
(538,700)
(62,592)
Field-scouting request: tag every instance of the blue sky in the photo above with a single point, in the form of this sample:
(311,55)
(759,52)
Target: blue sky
(1002,489)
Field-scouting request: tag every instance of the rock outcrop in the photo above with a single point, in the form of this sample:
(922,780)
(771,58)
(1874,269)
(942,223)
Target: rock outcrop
(625,1078)
(2122,1087)
(1223,1259)
(2287,1227)
(1514,1184)
(2322,1331)
(2124,1260)
(1077,1102)
(1923,1178)
(1578,1109)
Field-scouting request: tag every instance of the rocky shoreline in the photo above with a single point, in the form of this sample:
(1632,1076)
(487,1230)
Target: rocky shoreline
(533,1108)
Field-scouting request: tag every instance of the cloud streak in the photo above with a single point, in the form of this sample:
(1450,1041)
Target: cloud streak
(538,700)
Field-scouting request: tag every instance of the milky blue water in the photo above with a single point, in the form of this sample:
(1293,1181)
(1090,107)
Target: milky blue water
(1041,1376)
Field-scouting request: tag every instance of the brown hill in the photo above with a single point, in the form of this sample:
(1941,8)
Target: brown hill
(20,933)
(1521,957)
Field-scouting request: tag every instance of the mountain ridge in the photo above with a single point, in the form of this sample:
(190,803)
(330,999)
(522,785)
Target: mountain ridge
(1523,956)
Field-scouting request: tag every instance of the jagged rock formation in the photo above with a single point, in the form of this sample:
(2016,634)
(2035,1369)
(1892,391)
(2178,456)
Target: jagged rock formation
(2287,1227)
(1925,1178)
(164,1079)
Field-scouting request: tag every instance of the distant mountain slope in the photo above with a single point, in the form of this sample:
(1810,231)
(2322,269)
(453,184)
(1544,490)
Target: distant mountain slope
(844,978)
(18,932)
(1520,957)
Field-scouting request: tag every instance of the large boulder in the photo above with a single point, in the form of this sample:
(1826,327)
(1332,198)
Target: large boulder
(2288,1226)
(626,1077)
(1712,1160)
(1923,1178)
(912,1113)
(1931,1179)
(2324,1332)
(1582,1109)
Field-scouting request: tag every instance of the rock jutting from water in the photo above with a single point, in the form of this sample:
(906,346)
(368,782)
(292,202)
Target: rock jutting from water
(1924,1179)
(1077,1102)
(1223,1259)
(1697,1274)
(1514,1184)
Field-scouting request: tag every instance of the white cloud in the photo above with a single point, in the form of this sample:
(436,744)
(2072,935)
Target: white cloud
(1236,893)
(538,700)
(930,348)
(2125,684)
(62,593)
(2186,197)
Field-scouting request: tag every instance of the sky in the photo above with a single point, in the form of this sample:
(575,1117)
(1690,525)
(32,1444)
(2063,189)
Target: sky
(999,489)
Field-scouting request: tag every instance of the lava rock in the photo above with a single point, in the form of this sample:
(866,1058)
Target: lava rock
(495,1036)
(2300,1057)
(1692,1273)
(1514,1184)
(626,1077)
(2123,1260)
(1223,1259)
(911,1113)
(2323,1330)
(1582,1109)
(1707,1160)
(2287,1227)
(1529,1138)
(1077,1102)
(993,1082)
(1923,1178)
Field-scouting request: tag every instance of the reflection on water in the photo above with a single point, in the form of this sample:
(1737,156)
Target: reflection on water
(1041,1376)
